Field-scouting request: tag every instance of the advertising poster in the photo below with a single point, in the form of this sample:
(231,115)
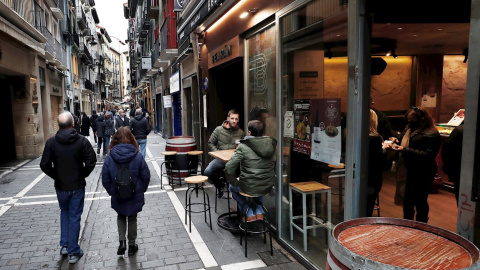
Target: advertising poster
(302,130)
(288,130)
(327,132)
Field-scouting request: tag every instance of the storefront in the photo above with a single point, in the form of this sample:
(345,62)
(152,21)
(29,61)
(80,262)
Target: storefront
(313,87)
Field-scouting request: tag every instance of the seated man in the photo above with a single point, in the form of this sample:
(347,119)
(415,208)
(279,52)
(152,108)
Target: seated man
(223,138)
(255,156)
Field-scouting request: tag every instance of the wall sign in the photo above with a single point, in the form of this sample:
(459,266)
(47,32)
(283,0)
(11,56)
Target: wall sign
(175,82)
(226,52)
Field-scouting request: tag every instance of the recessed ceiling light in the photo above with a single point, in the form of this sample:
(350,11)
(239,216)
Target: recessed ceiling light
(243,15)
(439,29)
(338,35)
(399,28)
(415,35)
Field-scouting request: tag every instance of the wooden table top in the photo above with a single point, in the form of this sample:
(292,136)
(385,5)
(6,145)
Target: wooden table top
(169,153)
(309,186)
(223,155)
(195,153)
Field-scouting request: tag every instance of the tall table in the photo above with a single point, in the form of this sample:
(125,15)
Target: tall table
(228,221)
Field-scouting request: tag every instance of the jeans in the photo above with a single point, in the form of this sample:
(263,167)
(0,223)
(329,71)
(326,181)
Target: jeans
(143,145)
(243,205)
(100,141)
(106,142)
(132,228)
(71,208)
(212,171)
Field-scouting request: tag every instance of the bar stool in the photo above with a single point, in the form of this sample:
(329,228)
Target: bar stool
(339,173)
(313,188)
(199,179)
(195,160)
(172,170)
(244,224)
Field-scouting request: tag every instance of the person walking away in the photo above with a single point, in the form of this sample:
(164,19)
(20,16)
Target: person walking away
(124,152)
(69,158)
(223,138)
(419,147)
(109,131)
(85,127)
(121,120)
(77,119)
(101,133)
(375,159)
(452,158)
(93,122)
(140,129)
(255,158)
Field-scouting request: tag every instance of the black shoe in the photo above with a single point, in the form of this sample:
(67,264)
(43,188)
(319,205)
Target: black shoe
(220,193)
(132,249)
(122,247)
(98,151)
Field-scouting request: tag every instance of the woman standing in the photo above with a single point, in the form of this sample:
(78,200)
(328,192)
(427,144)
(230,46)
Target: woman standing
(85,127)
(109,131)
(419,147)
(124,151)
(375,161)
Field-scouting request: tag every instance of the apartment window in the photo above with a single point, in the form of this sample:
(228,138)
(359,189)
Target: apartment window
(48,21)
(55,31)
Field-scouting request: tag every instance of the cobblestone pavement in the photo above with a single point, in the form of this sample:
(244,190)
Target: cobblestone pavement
(30,226)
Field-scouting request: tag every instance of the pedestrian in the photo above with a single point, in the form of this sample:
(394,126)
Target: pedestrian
(85,127)
(109,131)
(140,129)
(76,121)
(121,120)
(101,133)
(93,122)
(69,158)
(375,159)
(223,138)
(419,147)
(255,159)
(124,151)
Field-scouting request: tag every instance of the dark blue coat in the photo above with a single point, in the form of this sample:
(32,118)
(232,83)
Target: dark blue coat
(139,171)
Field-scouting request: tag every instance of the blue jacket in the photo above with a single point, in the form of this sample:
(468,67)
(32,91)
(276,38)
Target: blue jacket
(139,171)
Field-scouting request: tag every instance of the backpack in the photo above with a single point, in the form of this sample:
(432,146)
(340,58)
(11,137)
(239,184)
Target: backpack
(124,184)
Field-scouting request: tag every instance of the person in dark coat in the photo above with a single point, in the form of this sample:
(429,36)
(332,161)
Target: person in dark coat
(124,149)
(375,159)
(93,122)
(140,129)
(121,120)
(85,127)
(109,131)
(77,121)
(452,158)
(419,147)
(69,158)
(101,133)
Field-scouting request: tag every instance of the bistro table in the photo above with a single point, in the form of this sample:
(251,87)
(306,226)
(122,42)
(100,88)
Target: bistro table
(228,221)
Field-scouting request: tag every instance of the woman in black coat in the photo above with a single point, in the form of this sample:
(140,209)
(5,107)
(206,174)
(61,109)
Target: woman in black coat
(100,133)
(85,127)
(124,149)
(419,148)
(375,161)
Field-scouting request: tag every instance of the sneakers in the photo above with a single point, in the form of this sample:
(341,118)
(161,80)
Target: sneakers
(132,249)
(72,259)
(63,251)
(122,247)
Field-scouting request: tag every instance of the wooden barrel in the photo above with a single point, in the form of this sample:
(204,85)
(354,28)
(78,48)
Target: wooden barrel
(181,145)
(390,243)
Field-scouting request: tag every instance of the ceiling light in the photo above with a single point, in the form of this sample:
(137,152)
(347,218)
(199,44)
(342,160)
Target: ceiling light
(253,10)
(439,29)
(399,28)
(415,35)
(243,15)
(389,53)
(338,35)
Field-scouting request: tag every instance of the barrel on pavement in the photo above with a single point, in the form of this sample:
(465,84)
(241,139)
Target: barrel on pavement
(389,243)
(181,145)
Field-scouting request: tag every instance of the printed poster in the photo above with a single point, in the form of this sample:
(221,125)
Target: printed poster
(327,132)
(302,130)
(308,74)
(288,130)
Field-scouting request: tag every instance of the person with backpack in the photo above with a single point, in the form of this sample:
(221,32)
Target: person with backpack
(125,177)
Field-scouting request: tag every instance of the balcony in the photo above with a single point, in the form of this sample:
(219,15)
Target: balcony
(168,43)
(89,85)
(61,55)
(20,14)
(52,3)
(81,18)
(153,9)
(146,25)
(85,54)
(76,39)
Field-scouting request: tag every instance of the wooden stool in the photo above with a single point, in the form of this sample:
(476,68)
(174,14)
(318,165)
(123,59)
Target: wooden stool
(194,160)
(313,188)
(339,173)
(244,224)
(199,179)
(170,166)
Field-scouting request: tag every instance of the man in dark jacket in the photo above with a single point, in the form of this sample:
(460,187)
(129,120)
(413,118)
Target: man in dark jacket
(223,138)
(69,158)
(140,129)
(93,122)
(255,157)
(121,120)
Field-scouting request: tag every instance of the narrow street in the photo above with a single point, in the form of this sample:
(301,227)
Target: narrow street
(30,226)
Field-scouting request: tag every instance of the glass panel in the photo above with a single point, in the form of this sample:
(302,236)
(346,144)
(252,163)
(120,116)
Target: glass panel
(314,101)
(262,94)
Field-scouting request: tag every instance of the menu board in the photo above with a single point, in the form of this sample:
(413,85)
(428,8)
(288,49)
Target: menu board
(327,132)
(308,74)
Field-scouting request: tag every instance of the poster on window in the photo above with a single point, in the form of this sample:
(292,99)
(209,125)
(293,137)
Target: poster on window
(327,132)
(302,130)
(308,74)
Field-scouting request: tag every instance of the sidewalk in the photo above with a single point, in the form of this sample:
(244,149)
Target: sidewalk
(30,229)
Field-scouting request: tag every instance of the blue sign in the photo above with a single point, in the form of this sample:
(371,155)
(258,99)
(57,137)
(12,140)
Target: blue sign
(205,84)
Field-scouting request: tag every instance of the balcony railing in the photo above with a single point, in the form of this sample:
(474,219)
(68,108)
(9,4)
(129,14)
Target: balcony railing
(85,54)
(60,53)
(153,9)
(168,34)
(81,18)
(89,85)
(76,39)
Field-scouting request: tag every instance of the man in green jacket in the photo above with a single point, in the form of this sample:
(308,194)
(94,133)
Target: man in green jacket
(255,156)
(223,138)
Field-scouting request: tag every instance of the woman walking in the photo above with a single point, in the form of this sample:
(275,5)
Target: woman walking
(124,153)
(101,133)
(109,131)
(85,127)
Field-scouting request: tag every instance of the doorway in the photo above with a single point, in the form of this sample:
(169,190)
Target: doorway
(8,83)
